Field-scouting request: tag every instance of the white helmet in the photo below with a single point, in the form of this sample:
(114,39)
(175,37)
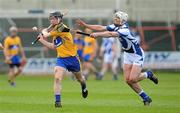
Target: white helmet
(13,28)
(122,15)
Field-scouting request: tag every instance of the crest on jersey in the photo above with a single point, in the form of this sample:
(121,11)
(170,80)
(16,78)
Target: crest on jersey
(58,41)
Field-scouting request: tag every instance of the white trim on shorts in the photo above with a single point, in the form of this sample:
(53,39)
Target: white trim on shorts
(134,59)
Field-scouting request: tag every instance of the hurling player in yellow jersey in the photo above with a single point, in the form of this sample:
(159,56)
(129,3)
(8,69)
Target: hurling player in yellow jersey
(89,54)
(12,48)
(66,54)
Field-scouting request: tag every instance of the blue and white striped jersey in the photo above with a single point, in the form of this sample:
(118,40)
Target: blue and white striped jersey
(107,45)
(128,41)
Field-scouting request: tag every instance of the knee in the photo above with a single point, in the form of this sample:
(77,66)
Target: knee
(130,81)
(58,77)
(19,71)
(81,78)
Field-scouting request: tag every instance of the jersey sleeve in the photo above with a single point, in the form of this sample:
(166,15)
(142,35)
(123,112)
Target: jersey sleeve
(123,32)
(62,28)
(59,29)
(110,27)
(6,43)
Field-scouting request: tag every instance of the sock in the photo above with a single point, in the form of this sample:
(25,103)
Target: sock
(115,77)
(143,95)
(148,74)
(101,74)
(86,74)
(83,86)
(96,73)
(13,84)
(58,98)
(145,74)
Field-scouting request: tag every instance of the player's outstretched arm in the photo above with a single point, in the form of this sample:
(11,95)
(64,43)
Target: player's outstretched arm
(6,54)
(46,33)
(104,34)
(1,46)
(22,53)
(93,27)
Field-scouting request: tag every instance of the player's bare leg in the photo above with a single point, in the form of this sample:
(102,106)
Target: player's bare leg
(88,66)
(132,73)
(132,79)
(94,70)
(126,71)
(91,66)
(11,77)
(18,72)
(115,73)
(82,81)
(59,72)
(85,70)
(103,70)
(143,75)
(13,73)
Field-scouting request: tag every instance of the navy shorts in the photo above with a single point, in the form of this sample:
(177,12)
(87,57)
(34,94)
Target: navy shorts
(16,61)
(70,63)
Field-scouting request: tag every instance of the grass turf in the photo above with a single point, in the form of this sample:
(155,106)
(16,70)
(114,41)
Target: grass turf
(34,94)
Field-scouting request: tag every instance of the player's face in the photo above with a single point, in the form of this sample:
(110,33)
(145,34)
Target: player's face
(13,33)
(117,20)
(53,20)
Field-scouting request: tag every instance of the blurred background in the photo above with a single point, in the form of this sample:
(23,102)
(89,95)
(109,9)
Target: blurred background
(156,23)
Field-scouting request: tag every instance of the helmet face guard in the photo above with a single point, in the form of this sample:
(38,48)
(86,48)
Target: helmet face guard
(56,14)
(13,29)
(122,16)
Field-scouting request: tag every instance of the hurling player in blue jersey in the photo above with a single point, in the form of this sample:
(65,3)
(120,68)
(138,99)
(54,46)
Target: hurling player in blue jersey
(133,53)
(109,52)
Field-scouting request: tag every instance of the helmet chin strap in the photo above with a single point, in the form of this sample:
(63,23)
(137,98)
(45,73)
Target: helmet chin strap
(117,25)
(120,24)
(58,20)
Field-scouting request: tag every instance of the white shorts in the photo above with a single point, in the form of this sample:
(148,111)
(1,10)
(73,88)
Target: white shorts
(134,59)
(108,58)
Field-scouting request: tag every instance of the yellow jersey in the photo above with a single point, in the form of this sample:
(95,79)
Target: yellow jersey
(90,45)
(63,41)
(12,45)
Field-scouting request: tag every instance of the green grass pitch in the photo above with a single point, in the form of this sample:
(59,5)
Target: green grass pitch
(34,94)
